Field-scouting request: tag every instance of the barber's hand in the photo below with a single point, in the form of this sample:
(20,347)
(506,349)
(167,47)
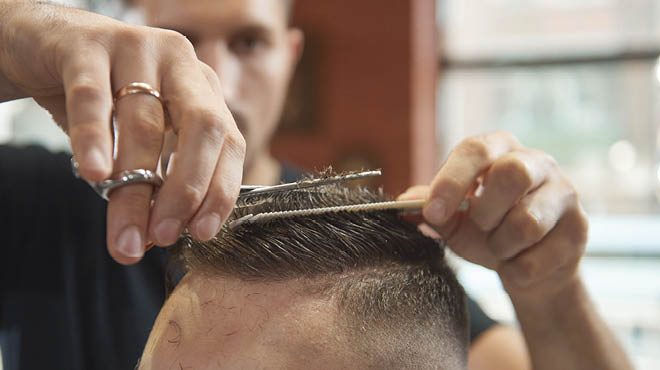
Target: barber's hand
(71,62)
(524,219)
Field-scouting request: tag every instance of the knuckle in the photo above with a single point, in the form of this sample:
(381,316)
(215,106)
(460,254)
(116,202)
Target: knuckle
(528,268)
(475,147)
(206,69)
(133,38)
(96,41)
(507,136)
(176,41)
(525,228)
(213,132)
(483,221)
(176,38)
(513,173)
(210,75)
(191,197)
(547,158)
(204,118)
(84,90)
(236,144)
(86,133)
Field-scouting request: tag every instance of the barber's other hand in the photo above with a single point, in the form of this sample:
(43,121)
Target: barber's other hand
(71,62)
(524,219)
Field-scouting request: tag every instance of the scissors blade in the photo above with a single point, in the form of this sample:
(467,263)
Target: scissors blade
(247,190)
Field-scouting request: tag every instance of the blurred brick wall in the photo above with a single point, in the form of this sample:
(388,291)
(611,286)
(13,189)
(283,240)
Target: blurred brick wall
(365,92)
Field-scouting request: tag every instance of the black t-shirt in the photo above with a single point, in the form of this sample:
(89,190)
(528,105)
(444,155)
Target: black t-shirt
(64,303)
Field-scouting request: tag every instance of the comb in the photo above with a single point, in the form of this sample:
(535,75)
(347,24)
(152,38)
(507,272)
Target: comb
(409,205)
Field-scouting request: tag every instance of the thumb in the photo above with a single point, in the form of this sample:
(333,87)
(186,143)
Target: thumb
(415,192)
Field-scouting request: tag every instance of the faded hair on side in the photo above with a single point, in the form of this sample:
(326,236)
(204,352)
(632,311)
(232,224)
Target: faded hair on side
(397,297)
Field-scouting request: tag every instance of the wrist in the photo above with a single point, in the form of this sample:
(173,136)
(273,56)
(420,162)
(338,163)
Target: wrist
(551,297)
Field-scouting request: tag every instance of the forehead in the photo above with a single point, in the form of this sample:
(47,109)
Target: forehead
(215,14)
(235,325)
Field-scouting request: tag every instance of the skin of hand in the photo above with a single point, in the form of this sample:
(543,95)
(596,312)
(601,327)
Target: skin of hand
(70,61)
(254,50)
(523,221)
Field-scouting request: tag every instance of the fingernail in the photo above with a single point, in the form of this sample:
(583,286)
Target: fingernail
(207,227)
(95,160)
(436,212)
(167,231)
(129,242)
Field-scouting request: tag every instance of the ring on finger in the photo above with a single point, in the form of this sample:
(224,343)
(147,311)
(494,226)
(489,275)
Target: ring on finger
(137,88)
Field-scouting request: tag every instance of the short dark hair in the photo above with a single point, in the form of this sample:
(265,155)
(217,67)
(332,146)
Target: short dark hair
(391,284)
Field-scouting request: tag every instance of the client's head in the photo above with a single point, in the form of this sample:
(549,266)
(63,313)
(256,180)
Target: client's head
(360,290)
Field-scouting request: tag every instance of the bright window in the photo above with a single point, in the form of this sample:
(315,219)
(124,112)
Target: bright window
(579,80)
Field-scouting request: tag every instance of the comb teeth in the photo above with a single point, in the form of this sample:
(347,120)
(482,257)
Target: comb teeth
(378,206)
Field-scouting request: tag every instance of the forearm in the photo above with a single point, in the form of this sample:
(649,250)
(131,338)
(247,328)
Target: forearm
(565,332)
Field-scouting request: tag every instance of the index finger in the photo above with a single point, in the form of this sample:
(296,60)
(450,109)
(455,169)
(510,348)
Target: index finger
(458,176)
(86,79)
(205,129)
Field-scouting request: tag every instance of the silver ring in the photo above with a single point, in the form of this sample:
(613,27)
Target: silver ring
(136,176)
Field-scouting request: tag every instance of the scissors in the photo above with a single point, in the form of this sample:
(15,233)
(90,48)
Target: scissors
(103,189)
(140,175)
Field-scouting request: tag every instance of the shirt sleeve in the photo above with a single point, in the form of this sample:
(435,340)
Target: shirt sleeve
(56,273)
(479,320)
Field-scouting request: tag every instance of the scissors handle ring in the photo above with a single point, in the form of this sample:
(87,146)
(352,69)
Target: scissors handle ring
(136,176)
(128,177)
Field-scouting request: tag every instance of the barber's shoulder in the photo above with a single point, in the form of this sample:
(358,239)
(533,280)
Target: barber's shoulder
(35,167)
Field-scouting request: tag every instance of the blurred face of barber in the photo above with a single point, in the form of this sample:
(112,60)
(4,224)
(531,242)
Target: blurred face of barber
(253,51)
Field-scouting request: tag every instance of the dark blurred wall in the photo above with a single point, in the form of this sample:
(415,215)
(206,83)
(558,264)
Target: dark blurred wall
(364,93)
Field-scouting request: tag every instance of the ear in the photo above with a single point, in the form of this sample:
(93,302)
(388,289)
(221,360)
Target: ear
(296,40)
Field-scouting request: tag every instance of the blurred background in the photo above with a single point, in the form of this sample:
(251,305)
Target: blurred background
(579,80)
(396,84)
